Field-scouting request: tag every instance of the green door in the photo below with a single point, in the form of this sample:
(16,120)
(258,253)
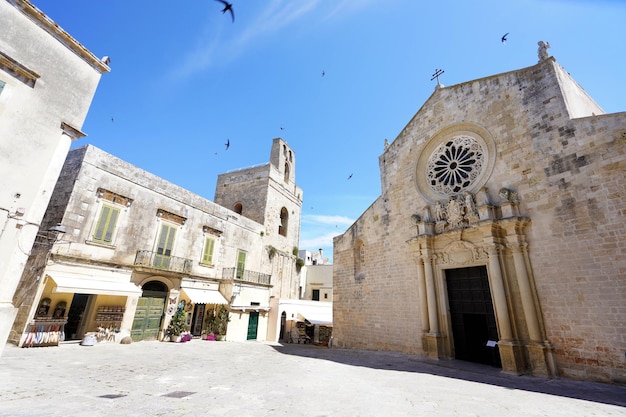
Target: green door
(148,317)
(253,324)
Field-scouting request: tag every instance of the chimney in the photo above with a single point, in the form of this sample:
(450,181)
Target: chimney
(321,256)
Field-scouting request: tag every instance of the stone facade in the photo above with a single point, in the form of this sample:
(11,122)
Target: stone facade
(47,82)
(515,181)
(163,245)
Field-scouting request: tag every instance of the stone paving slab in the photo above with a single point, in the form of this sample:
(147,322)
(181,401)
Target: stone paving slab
(201,378)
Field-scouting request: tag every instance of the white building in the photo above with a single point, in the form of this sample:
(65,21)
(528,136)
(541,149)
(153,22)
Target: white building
(138,248)
(47,82)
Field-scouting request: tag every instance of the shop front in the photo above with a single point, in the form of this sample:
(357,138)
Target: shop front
(75,300)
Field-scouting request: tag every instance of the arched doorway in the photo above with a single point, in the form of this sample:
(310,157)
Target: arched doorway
(283,325)
(149,312)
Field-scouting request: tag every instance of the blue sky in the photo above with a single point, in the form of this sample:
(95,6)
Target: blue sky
(184,78)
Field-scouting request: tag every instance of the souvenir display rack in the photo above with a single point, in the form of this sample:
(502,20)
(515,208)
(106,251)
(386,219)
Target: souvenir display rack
(45,331)
(109,319)
(110,315)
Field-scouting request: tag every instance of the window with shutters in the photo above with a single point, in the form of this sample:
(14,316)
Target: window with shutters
(112,207)
(165,243)
(241,264)
(207,253)
(106,224)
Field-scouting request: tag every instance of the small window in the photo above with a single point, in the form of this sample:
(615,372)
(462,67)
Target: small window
(284,222)
(238,208)
(207,254)
(106,224)
(316,295)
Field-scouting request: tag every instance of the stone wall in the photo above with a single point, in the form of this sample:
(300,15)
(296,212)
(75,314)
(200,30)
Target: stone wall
(568,177)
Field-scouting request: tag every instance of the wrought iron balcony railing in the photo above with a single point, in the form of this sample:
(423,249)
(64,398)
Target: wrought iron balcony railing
(159,261)
(246,276)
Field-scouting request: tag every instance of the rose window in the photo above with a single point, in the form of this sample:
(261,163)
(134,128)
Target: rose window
(455,165)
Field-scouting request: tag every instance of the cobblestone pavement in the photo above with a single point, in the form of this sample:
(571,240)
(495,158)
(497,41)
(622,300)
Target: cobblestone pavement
(201,378)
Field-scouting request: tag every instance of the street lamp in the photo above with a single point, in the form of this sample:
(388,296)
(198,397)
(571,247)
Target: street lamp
(51,236)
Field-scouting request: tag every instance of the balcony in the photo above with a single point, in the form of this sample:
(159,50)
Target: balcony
(154,260)
(252,277)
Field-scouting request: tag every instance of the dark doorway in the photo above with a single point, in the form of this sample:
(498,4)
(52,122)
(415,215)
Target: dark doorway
(198,319)
(474,326)
(75,316)
(283,324)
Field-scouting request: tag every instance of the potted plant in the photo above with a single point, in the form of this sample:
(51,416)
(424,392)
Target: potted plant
(177,326)
(222,317)
(211,325)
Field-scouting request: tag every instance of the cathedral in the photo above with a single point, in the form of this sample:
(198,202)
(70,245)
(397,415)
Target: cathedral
(499,235)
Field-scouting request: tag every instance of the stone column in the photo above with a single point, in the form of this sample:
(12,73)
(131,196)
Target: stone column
(539,352)
(499,294)
(528,303)
(423,299)
(510,354)
(433,339)
(433,318)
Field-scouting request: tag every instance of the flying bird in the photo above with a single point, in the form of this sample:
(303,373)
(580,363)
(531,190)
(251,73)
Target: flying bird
(349,176)
(323,73)
(504,37)
(281,127)
(227,144)
(228,7)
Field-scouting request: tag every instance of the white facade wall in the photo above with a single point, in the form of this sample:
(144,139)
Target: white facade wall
(49,80)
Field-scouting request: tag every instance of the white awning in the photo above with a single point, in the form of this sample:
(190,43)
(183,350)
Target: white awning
(321,314)
(94,286)
(321,318)
(202,296)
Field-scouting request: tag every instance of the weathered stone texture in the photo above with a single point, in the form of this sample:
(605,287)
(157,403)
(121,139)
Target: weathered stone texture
(569,175)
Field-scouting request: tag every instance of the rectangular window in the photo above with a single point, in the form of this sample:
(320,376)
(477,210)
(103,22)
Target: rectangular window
(164,246)
(316,295)
(106,225)
(241,264)
(207,254)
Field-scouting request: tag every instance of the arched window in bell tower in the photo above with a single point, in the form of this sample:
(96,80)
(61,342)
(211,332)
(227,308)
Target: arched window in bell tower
(238,208)
(284,222)
(287,171)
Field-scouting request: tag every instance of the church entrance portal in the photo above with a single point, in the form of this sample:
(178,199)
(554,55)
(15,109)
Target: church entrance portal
(472,315)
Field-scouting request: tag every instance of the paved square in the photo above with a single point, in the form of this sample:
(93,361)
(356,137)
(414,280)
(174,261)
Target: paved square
(239,379)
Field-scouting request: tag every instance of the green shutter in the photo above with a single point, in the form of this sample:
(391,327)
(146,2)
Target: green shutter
(166,240)
(207,255)
(108,236)
(106,224)
(241,263)
(164,247)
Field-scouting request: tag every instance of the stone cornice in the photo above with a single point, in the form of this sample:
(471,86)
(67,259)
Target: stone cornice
(28,9)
